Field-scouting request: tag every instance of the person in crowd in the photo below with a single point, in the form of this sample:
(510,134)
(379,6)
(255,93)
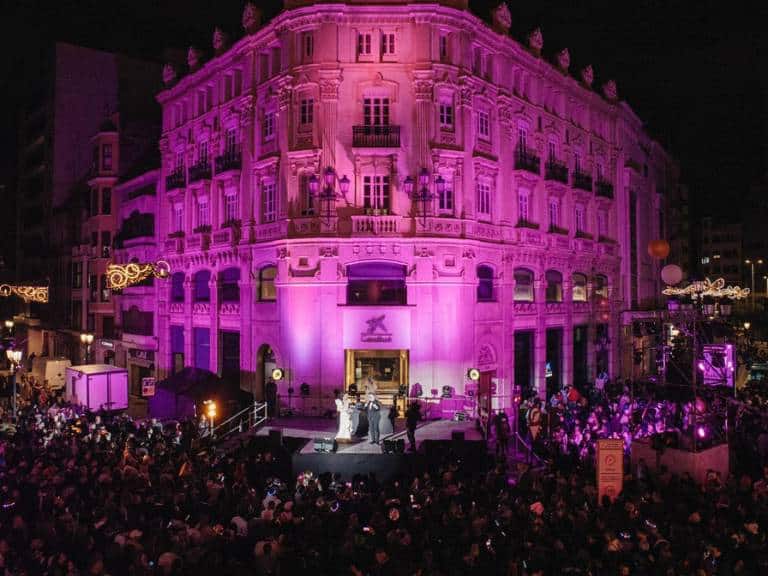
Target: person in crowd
(502,430)
(373,407)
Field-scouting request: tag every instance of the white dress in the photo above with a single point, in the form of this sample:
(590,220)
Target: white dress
(345,424)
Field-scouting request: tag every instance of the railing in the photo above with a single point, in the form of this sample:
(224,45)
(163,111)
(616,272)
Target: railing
(526,159)
(175,180)
(376,225)
(230,160)
(604,188)
(200,171)
(582,181)
(245,420)
(376,136)
(556,171)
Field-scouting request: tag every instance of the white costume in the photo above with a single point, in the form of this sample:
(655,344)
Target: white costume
(345,422)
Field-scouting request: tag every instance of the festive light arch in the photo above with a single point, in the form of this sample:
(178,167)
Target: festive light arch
(121,276)
(707,287)
(25,292)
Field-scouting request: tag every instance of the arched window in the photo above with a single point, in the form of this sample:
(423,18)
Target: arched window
(267,291)
(177,287)
(201,290)
(554,286)
(485,284)
(376,284)
(523,285)
(601,286)
(230,289)
(579,293)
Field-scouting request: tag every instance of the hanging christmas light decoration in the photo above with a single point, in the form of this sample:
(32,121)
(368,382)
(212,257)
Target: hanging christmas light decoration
(25,292)
(121,276)
(707,287)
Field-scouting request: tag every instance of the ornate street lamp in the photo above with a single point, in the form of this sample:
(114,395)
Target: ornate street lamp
(87,339)
(328,195)
(423,197)
(14,359)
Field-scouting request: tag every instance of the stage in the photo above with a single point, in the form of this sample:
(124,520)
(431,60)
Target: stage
(434,440)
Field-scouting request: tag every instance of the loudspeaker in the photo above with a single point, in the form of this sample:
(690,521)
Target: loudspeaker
(276,437)
(325,445)
(457,435)
(393,446)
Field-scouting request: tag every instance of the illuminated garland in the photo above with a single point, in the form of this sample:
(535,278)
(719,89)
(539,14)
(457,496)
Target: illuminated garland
(27,293)
(707,287)
(121,276)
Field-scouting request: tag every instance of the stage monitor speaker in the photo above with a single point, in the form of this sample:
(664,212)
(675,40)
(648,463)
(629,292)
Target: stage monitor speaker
(325,445)
(276,437)
(457,435)
(393,446)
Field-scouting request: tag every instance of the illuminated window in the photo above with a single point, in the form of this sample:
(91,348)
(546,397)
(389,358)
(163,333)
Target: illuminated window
(523,285)
(267,290)
(579,292)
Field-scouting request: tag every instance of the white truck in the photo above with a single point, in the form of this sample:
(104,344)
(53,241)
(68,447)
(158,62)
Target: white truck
(50,371)
(98,386)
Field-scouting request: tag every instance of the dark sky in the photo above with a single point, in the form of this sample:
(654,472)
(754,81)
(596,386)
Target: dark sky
(695,72)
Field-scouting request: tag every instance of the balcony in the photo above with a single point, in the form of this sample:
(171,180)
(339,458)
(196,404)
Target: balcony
(554,170)
(527,224)
(526,159)
(558,230)
(200,171)
(376,225)
(604,189)
(175,180)
(582,181)
(376,136)
(230,160)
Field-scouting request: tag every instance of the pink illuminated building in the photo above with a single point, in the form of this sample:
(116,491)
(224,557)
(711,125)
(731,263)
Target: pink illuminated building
(401,191)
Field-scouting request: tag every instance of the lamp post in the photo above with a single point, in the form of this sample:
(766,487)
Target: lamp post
(328,194)
(87,339)
(210,412)
(14,358)
(752,263)
(423,197)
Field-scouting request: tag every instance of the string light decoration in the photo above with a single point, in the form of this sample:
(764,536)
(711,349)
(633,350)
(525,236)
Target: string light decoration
(121,276)
(25,292)
(707,287)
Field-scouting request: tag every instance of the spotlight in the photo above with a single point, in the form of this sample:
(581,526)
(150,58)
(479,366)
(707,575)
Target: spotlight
(701,366)
(701,432)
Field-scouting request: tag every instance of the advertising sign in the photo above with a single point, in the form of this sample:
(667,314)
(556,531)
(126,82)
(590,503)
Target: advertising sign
(610,468)
(147,387)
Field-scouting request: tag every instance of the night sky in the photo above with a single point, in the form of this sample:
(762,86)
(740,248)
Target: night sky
(693,71)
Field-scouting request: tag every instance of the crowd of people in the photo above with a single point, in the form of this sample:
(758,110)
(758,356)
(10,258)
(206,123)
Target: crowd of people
(83,494)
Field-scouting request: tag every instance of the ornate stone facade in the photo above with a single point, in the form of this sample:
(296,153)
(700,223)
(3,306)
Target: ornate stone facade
(511,253)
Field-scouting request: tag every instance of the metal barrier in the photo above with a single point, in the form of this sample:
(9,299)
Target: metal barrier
(245,420)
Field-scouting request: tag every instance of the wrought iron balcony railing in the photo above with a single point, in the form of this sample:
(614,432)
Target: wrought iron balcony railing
(176,179)
(582,181)
(230,160)
(376,136)
(200,171)
(555,170)
(604,188)
(526,159)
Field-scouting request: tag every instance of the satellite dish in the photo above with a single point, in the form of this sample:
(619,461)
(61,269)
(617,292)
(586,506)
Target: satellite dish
(672,274)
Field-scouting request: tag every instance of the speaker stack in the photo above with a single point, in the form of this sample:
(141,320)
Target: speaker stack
(393,446)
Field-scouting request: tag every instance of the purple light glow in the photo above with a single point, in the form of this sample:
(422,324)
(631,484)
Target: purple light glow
(701,366)
(701,432)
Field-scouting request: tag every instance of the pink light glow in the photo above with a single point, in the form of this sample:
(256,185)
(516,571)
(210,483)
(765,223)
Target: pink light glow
(701,432)
(701,366)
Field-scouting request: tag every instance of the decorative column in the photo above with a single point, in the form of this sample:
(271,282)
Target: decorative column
(284,95)
(504,207)
(247,152)
(540,339)
(423,86)
(567,343)
(464,135)
(188,334)
(248,351)
(330,80)
(213,286)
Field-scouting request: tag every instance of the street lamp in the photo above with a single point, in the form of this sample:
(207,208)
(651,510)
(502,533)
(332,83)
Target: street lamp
(752,263)
(210,412)
(9,323)
(422,198)
(87,339)
(747,325)
(14,358)
(328,195)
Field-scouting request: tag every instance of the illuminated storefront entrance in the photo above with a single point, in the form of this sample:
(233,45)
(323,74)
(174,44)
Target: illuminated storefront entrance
(388,368)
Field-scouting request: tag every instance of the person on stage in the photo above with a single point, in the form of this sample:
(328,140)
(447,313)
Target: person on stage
(345,423)
(412,417)
(374,413)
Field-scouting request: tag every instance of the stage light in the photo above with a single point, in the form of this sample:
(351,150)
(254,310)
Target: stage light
(277,374)
(473,374)
(701,366)
(701,432)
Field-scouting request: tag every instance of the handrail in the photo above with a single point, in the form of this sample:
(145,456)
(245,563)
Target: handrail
(247,419)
